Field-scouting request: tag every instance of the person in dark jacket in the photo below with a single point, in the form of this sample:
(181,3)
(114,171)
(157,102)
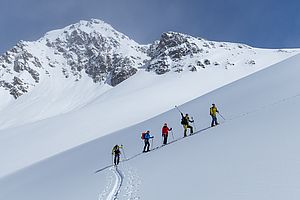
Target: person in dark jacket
(185,123)
(116,153)
(165,132)
(146,137)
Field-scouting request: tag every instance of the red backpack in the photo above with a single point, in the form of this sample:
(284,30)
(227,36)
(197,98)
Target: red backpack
(143,136)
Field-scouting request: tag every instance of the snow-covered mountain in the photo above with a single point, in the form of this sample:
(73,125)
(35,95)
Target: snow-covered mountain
(68,68)
(88,48)
(96,50)
(67,98)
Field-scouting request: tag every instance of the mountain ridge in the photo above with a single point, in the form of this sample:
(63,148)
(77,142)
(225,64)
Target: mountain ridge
(94,49)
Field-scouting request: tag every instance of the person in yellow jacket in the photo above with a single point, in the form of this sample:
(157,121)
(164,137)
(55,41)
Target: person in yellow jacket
(213,113)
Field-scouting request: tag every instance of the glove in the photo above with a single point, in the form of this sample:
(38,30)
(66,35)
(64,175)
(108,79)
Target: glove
(170,129)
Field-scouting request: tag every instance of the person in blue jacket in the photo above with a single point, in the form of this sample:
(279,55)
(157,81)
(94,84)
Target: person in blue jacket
(146,137)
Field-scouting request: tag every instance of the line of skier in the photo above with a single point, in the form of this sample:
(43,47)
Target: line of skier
(185,122)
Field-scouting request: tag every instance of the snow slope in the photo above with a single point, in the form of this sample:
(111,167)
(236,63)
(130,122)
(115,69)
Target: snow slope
(57,117)
(253,155)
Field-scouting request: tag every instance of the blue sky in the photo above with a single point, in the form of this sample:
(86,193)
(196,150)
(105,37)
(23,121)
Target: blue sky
(260,23)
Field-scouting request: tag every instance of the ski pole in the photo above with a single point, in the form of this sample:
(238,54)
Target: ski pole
(178,109)
(221,115)
(172,134)
(194,124)
(122,147)
(151,143)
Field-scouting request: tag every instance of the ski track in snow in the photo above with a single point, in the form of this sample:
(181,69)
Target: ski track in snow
(116,180)
(113,194)
(107,190)
(154,149)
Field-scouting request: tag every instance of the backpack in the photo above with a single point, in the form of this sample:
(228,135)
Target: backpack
(143,136)
(184,121)
(116,150)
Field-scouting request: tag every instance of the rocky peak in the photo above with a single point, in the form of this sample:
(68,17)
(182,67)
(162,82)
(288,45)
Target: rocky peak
(87,48)
(172,43)
(170,48)
(178,52)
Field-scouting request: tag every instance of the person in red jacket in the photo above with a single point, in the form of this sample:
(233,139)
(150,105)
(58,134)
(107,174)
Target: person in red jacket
(165,132)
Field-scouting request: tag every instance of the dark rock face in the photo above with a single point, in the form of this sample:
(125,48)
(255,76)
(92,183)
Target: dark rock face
(207,62)
(172,47)
(20,60)
(121,75)
(15,88)
(93,54)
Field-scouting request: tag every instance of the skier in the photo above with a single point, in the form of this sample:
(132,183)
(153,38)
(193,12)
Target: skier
(165,131)
(185,123)
(116,153)
(146,136)
(213,113)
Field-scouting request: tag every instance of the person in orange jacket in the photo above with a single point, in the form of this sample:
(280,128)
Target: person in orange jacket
(165,132)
